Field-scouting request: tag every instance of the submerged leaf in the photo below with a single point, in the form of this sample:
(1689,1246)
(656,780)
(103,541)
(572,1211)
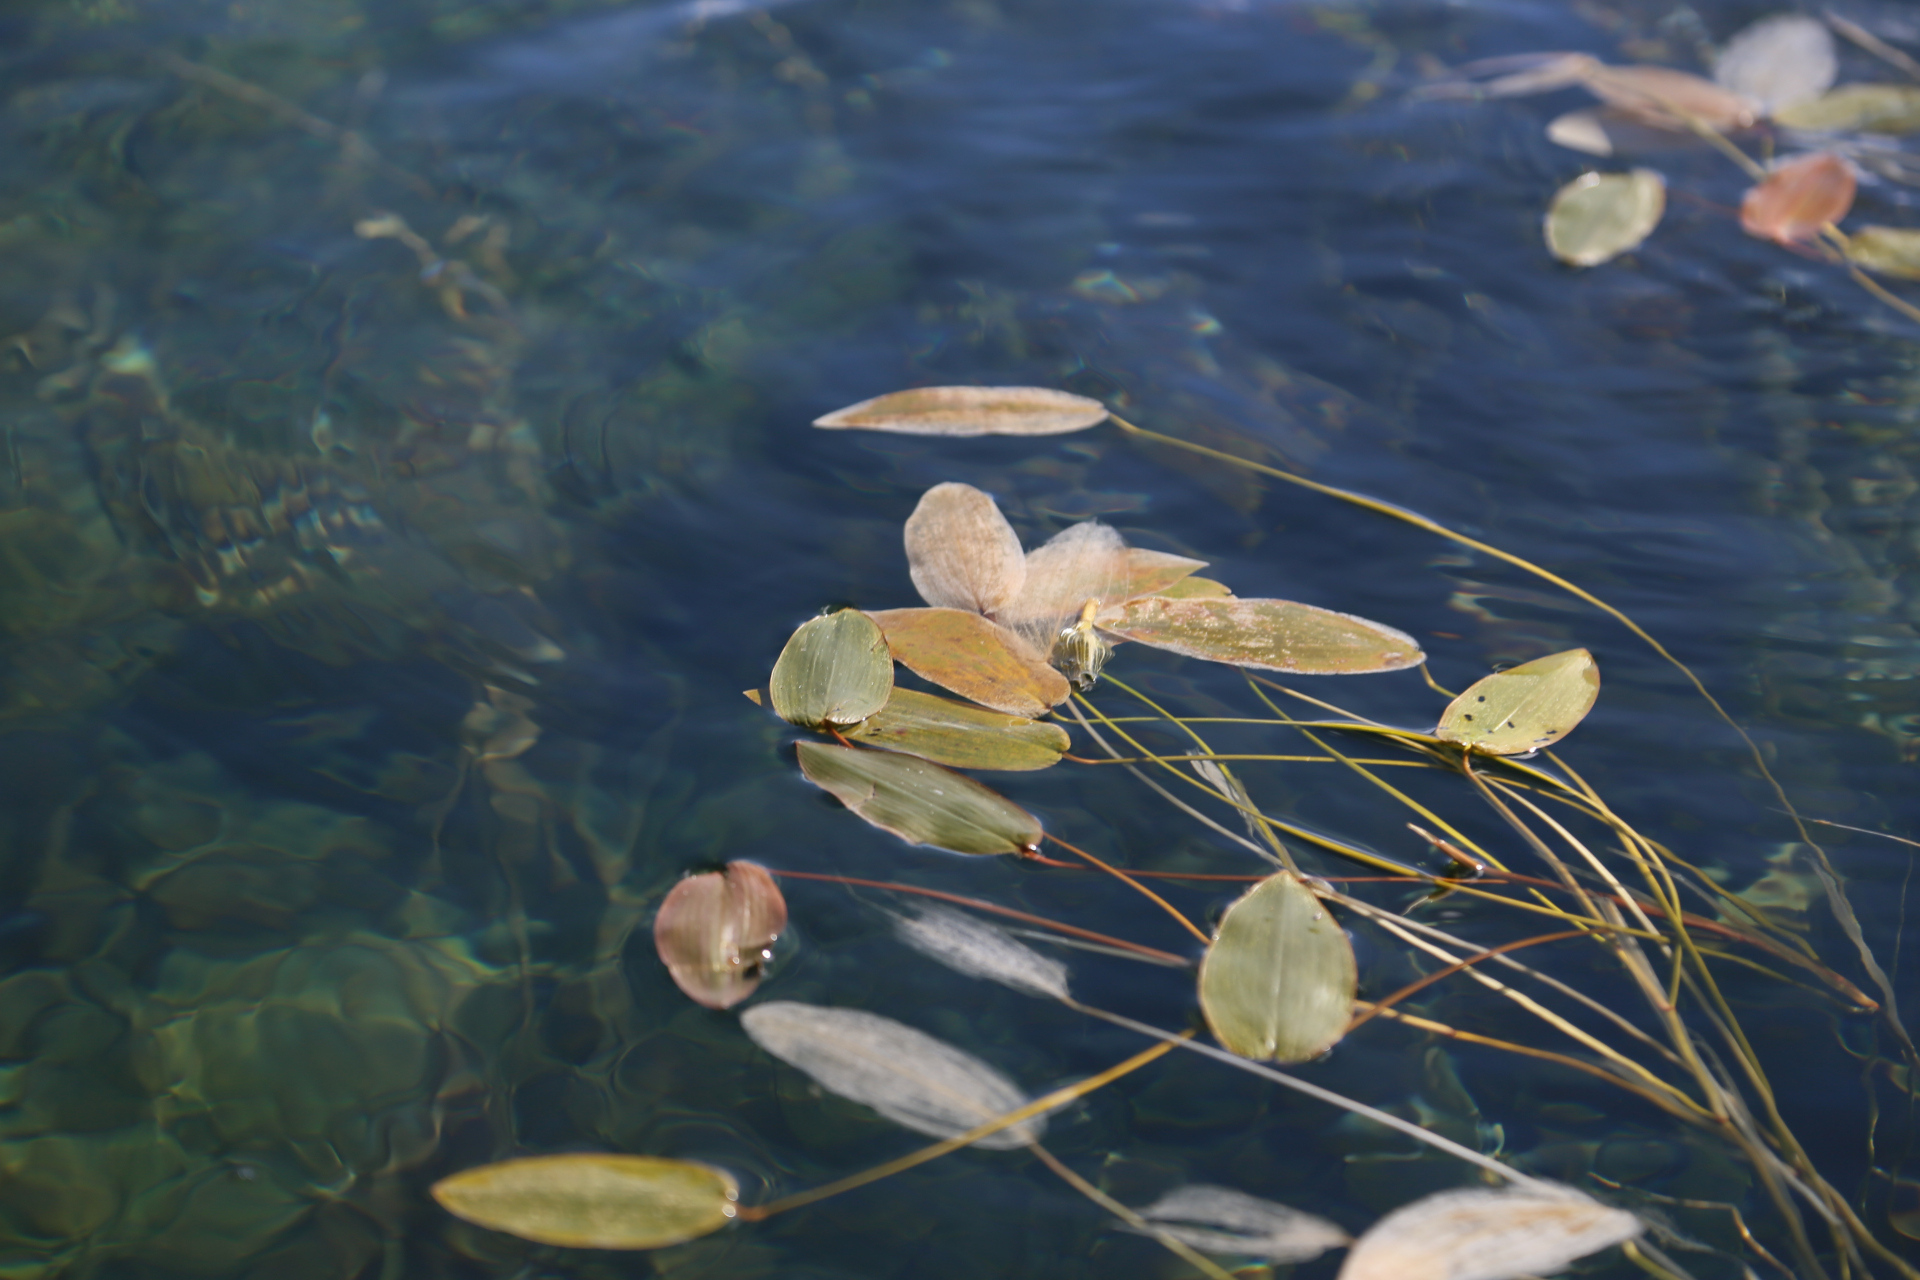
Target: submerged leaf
(972,946)
(1891,251)
(1196,589)
(1524,708)
(971,411)
(1870,108)
(1778,62)
(961,551)
(1799,198)
(974,658)
(953,733)
(1275,635)
(907,1076)
(1278,981)
(1222,1220)
(586,1201)
(1480,1234)
(1597,217)
(920,802)
(835,670)
(713,931)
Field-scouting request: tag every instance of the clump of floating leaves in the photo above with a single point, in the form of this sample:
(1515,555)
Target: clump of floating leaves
(1032,644)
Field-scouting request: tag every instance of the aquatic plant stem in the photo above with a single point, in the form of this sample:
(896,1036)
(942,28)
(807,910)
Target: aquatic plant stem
(1137,887)
(1386,1003)
(1194,1258)
(1039,1106)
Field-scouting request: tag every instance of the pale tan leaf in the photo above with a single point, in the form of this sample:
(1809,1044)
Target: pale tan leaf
(1598,217)
(1869,108)
(965,653)
(1666,98)
(1274,635)
(969,945)
(1222,1220)
(907,1076)
(961,551)
(1481,1234)
(921,803)
(1798,198)
(834,671)
(1525,708)
(1086,561)
(1891,251)
(971,411)
(1582,131)
(1278,981)
(588,1201)
(713,932)
(1778,62)
(961,736)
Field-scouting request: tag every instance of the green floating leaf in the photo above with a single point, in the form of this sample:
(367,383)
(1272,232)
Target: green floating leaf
(1870,108)
(1891,251)
(1524,708)
(1274,635)
(589,1201)
(953,733)
(836,670)
(1597,217)
(920,802)
(1196,589)
(973,657)
(971,411)
(1278,981)
(1481,1234)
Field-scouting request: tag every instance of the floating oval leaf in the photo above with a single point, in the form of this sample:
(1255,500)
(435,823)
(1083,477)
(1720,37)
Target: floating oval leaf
(1278,981)
(1870,108)
(835,670)
(1524,708)
(1480,1234)
(1159,573)
(971,411)
(907,1076)
(1667,98)
(1778,62)
(1275,635)
(972,946)
(1891,251)
(1222,1220)
(1597,217)
(713,931)
(953,733)
(1196,589)
(1799,198)
(1582,131)
(585,1201)
(920,802)
(974,658)
(961,551)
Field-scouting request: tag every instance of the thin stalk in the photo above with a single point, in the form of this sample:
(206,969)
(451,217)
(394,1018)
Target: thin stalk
(1386,1003)
(1139,888)
(1193,1257)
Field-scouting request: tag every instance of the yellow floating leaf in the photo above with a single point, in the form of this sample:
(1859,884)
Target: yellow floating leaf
(1481,1234)
(965,653)
(1524,708)
(920,802)
(1196,589)
(834,671)
(1891,251)
(971,411)
(587,1201)
(1275,635)
(1278,981)
(1158,573)
(953,733)
(961,551)
(1869,108)
(1597,217)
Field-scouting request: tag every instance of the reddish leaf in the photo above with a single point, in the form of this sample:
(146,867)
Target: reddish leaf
(713,932)
(1798,198)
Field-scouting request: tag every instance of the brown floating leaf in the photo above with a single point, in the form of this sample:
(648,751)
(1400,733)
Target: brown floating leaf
(953,733)
(971,411)
(1479,1234)
(1222,1220)
(1196,589)
(585,1201)
(1798,198)
(961,551)
(1524,708)
(1598,217)
(1666,98)
(1891,251)
(1278,981)
(1275,635)
(834,671)
(1870,108)
(920,802)
(906,1075)
(1778,62)
(713,931)
(971,656)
